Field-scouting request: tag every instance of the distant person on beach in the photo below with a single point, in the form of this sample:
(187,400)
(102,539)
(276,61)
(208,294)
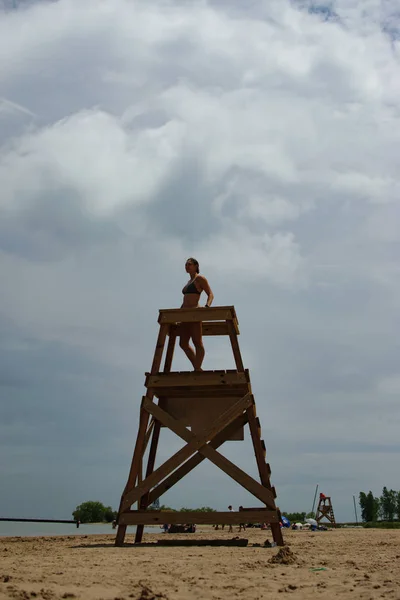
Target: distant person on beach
(191,297)
(242,525)
(230,530)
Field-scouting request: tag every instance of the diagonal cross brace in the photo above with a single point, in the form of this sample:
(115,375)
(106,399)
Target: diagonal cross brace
(194,443)
(196,459)
(251,485)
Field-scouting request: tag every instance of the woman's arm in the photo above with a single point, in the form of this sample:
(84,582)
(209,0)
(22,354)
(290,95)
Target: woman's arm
(204,285)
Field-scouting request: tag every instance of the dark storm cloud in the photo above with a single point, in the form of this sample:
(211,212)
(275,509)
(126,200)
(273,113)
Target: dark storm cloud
(53,225)
(183,207)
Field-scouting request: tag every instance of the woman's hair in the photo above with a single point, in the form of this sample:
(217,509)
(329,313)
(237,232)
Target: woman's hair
(195,262)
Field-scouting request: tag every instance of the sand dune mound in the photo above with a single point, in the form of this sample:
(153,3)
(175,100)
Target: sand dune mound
(284,557)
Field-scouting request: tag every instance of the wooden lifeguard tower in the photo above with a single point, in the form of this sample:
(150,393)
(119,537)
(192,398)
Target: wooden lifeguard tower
(325,510)
(216,405)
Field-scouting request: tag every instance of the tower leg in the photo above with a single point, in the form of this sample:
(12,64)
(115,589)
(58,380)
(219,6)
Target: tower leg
(141,437)
(120,537)
(235,346)
(137,457)
(144,501)
(277,534)
(150,467)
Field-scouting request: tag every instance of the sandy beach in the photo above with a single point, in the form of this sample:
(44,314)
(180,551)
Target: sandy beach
(345,563)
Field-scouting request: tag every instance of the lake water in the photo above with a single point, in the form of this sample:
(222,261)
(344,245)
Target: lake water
(14,529)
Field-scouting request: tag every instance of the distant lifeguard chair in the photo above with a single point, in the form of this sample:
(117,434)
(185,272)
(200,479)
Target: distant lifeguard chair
(325,510)
(216,405)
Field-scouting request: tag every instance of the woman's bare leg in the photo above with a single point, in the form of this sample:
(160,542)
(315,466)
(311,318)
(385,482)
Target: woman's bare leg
(184,343)
(197,337)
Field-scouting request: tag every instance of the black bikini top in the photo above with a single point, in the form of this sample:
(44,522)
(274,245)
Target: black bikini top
(190,288)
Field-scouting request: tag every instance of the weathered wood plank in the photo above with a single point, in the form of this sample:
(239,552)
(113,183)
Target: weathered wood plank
(153,517)
(183,373)
(170,348)
(190,392)
(138,451)
(192,315)
(148,435)
(195,378)
(200,413)
(251,485)
(162,334)
(259,454)
(235,345)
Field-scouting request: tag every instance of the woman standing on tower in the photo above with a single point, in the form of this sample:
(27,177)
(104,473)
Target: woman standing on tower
(191,297)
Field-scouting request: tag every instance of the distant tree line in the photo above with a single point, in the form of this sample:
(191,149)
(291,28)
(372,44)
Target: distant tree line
(95,512)
(299,517)
(384,508)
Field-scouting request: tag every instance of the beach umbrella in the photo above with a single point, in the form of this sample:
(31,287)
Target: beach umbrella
(312,522)
(285,521)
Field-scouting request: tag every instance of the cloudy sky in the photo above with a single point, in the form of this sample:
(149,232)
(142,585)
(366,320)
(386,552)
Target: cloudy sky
(263,138)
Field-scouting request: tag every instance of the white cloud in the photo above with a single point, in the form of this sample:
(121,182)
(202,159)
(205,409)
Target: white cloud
(271,210)
(274,258)
(92,154)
